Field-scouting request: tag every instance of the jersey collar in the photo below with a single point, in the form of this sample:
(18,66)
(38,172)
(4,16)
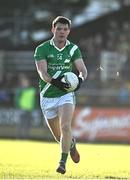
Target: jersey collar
(53,44)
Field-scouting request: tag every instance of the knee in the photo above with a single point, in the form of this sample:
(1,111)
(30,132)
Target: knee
(57,138)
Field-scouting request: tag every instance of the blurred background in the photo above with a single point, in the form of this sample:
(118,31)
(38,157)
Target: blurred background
(102,31)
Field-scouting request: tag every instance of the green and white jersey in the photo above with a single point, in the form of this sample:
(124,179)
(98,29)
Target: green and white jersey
(58,61)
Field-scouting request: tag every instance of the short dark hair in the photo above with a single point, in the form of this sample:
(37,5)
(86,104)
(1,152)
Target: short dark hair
(62,20)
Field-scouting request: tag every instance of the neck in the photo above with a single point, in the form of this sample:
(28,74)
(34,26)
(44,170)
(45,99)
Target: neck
(59,44)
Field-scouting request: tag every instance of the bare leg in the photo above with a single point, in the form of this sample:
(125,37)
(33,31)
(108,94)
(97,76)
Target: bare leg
(65,115)
(54,127)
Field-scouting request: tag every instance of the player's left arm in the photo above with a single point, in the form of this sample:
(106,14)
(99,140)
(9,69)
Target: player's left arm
(80,66)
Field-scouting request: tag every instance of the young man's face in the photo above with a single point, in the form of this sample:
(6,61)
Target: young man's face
(61,32)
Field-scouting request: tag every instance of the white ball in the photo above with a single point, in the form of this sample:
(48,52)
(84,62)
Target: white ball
(71,79)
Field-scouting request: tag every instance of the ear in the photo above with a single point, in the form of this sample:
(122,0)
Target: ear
(52,30)
(69,32)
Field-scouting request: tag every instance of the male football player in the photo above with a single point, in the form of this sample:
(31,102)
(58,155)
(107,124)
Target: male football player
(53,58)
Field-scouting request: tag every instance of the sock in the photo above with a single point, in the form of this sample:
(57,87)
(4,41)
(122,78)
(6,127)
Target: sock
(64,157)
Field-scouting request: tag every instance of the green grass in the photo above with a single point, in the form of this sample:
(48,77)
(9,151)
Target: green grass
(39,160)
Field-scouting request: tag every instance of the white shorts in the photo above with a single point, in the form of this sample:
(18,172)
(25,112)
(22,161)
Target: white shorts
(50,106)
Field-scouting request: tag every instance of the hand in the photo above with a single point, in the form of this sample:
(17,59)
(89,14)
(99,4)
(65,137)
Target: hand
(80,82)
(59,84)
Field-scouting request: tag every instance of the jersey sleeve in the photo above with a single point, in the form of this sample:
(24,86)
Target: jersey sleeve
(40,53)
(77,54)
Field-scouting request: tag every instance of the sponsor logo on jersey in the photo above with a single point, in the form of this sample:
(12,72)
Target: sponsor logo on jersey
(58,67)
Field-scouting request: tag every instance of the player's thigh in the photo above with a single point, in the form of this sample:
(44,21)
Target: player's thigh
(66,112)
(54,127)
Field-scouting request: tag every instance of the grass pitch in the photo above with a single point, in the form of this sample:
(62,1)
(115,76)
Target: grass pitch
(39,160)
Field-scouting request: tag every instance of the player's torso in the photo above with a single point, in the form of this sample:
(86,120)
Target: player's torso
(57,60)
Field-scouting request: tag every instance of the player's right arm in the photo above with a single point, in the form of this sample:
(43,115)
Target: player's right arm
(42,70)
